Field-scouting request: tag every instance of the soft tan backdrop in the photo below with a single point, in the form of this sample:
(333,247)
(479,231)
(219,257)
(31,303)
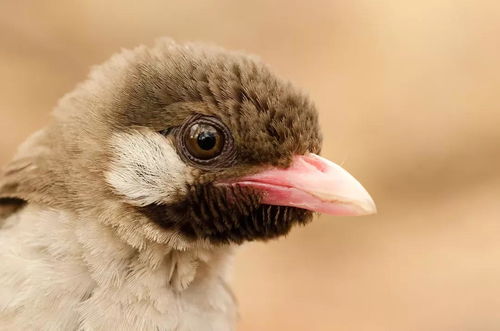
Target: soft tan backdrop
(409,98)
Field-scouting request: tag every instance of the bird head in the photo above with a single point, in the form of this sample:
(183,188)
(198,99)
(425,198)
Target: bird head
(195,140)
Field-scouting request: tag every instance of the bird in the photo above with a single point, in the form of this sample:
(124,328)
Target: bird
(125,211)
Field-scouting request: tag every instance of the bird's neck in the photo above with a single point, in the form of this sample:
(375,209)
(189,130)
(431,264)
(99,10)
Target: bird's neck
(112,257)
(111,279)
(136,249)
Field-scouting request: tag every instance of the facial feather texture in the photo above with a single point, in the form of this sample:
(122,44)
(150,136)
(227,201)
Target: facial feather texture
(145,169)
(107,223)
(103,154)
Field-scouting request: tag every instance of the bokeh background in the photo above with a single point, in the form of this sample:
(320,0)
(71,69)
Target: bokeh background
(409,100)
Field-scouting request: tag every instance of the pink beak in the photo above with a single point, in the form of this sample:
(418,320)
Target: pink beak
(314,183)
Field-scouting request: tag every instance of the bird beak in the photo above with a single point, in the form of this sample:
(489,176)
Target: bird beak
(313,183)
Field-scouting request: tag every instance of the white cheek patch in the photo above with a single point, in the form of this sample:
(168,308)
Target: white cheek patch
(146,169)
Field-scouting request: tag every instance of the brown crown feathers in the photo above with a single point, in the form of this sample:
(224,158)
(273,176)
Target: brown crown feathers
(154,92)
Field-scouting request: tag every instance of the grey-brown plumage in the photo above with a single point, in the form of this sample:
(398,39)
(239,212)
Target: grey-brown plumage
(122,212)
(158,89)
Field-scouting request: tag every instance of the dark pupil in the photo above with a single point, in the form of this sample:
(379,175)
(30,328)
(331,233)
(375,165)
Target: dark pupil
(207,140)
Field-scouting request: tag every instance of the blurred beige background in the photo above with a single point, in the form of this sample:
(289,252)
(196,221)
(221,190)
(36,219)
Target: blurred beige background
(409,95)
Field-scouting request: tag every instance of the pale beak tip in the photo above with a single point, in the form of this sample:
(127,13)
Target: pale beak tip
(364,205)
(360,205)
(368,207)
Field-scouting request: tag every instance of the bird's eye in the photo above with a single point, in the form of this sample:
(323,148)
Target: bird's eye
(204,141)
